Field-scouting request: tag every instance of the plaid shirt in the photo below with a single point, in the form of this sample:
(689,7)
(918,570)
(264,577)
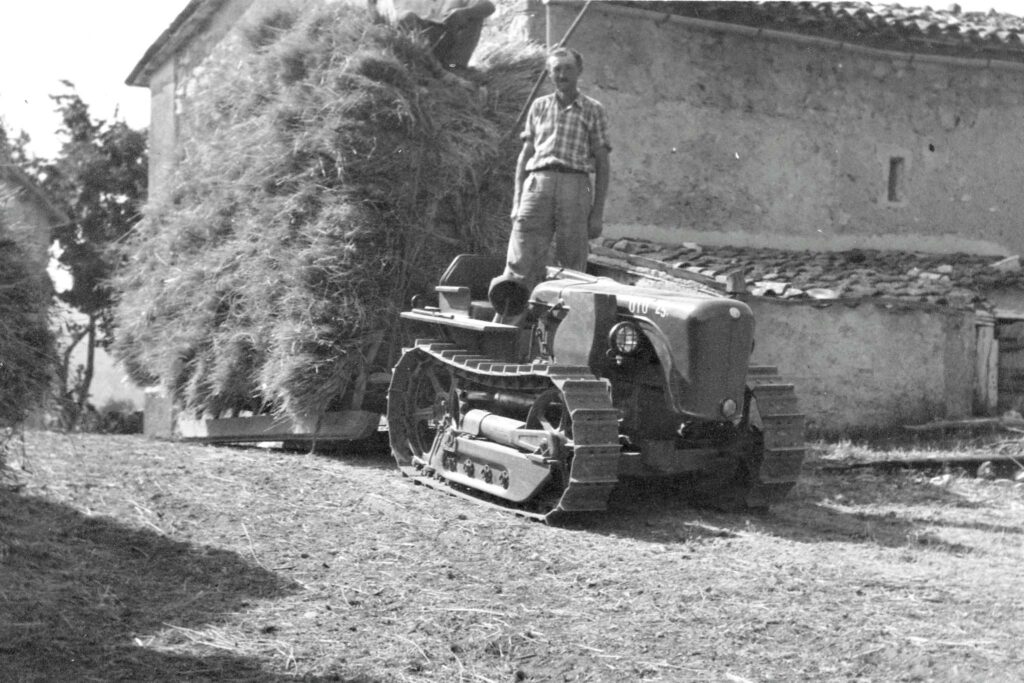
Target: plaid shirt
(566,136)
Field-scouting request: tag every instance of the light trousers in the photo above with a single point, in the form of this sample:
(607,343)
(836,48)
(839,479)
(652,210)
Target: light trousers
(552,206)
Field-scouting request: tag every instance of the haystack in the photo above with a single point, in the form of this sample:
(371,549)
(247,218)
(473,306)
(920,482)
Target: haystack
(331,169)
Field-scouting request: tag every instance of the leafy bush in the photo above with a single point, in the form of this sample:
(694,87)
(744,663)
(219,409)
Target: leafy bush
(27,346)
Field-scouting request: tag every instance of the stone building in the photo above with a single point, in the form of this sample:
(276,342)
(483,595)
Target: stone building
(28,215)
(809,125)
(803,126)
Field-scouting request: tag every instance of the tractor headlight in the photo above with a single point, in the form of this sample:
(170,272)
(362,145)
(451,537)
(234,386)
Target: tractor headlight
(624,338)
(728,408)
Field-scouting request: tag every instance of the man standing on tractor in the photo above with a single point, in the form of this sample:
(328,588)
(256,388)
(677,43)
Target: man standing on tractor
(565,139)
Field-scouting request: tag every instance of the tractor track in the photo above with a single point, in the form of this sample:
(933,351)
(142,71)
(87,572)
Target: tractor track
(586,477)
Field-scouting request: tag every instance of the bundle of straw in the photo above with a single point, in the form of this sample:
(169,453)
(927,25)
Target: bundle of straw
(331,169)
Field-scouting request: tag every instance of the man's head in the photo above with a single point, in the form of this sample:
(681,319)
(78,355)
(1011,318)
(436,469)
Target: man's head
(564,66)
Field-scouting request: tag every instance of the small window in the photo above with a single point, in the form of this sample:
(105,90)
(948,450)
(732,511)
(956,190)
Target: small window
(896,173)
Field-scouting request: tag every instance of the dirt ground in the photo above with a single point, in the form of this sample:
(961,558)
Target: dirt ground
(123,558)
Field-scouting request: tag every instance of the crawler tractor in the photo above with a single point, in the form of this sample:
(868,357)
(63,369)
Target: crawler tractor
(598,381)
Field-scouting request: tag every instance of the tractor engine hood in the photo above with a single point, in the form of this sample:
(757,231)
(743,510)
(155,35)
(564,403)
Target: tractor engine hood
(703,342)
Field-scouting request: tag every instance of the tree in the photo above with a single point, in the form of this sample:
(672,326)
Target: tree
(99,180)
(13,151)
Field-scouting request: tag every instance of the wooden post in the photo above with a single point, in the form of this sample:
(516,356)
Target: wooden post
(986,387)
(359,393)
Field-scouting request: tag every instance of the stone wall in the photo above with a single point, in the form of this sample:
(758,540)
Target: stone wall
(724,137)
(175,81)
(867,366)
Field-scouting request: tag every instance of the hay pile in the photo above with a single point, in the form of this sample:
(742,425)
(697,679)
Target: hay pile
(27,346)
(330,169)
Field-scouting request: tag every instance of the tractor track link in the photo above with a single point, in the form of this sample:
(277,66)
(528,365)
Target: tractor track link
(782,427)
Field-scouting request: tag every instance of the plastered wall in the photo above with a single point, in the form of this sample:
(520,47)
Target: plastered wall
(724,138)
(868,366)
(25,222)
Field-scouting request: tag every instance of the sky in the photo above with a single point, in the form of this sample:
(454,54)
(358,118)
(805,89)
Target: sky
(95,44)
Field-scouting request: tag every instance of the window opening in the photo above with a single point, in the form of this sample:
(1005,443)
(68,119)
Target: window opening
(896,179)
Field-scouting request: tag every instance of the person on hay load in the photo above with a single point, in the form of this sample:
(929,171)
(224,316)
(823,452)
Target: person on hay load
(565,139)
(451,27)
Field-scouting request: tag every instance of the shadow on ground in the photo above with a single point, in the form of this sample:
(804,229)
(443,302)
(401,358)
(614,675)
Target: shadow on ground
(80,597)
(821,508)
(826,506)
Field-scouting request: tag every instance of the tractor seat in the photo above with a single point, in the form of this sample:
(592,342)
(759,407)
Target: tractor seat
(474,272)
(463,286)
(460,301)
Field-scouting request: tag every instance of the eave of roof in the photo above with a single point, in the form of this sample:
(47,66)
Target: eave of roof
(18,177)
(187,24)
(973,35)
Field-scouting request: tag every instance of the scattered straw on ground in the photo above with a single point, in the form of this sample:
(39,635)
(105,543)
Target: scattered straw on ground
(130,559)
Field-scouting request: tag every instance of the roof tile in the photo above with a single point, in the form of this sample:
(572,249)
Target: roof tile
(960,280)
(990,35)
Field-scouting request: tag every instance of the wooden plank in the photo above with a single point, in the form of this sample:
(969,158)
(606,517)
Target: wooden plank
(993,378)
(1010,360)
(462,321)
(1009,330)
(363,378)
(986,391)
(950,460)
(347,425)
(968,423)
(1005,315)
(641,265)
(1011,335)
(1010,377)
